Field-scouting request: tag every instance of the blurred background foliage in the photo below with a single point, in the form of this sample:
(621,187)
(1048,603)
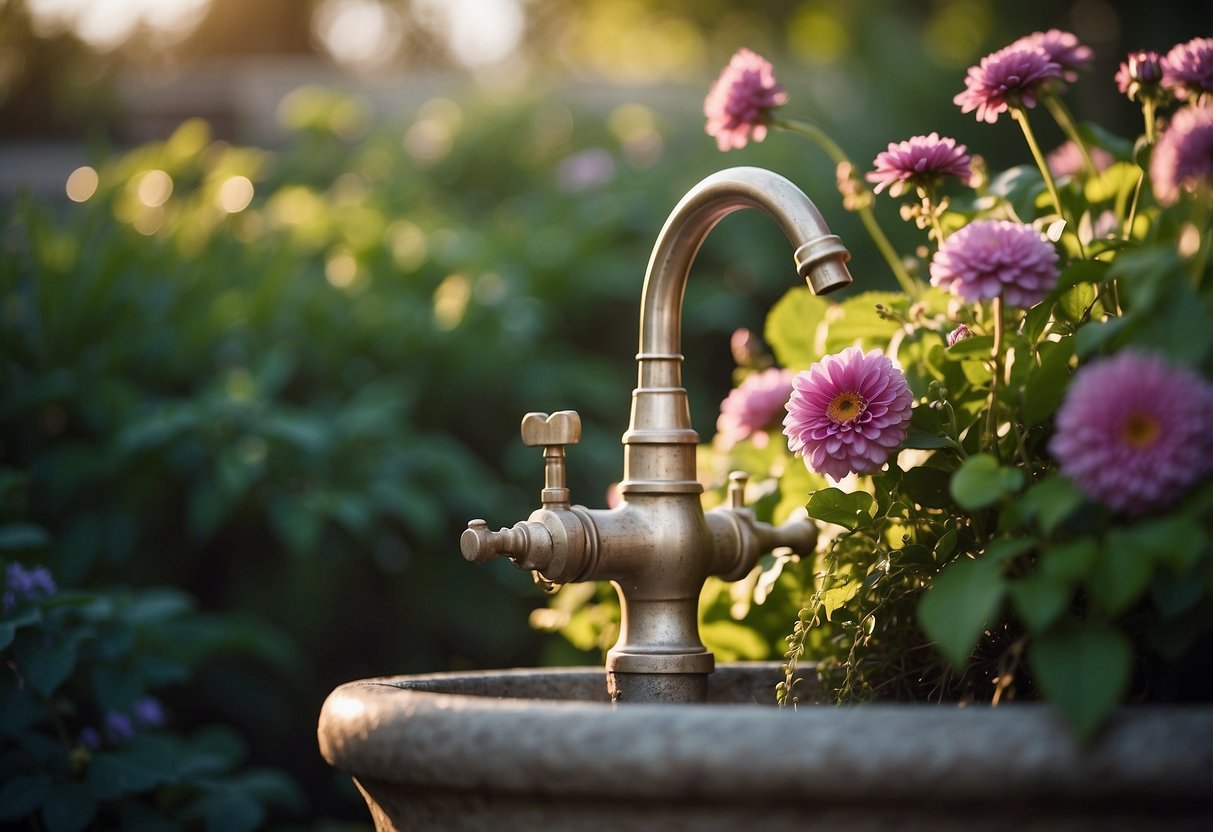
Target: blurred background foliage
(277,372)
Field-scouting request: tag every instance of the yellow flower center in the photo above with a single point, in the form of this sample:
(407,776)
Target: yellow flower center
(1140,430)
(845,407)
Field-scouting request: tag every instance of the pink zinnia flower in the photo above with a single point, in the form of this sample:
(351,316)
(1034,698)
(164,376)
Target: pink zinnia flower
(1140,75)
(739,104)
(848,412)
(920,160)
(1063,49)
(1183,158)
(1187,70)
(1010,77)
(753,406)
(1133,431)
(996,258)
(1066,159)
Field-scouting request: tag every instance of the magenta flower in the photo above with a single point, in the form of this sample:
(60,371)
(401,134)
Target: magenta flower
(1187,70)
(848,412)
(1132,431)
(919,161)
(1066,159)
(739,104)
(1140,75)
(996,258)
(961,333)
(1010,77)
(1062,48)
(753,406)
(1183,158)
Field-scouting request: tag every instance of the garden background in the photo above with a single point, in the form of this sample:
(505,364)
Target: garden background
(258,372)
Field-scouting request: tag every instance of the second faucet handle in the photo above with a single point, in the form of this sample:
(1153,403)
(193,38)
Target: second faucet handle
(552,432)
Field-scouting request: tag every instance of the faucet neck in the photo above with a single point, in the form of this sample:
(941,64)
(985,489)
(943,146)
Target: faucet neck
(660,410)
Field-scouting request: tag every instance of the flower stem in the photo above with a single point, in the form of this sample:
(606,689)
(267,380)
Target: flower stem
(1061,114)
(995,378)
(836,154)
(1147,114)
(1021,116)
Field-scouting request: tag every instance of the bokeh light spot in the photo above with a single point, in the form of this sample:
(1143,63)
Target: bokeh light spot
(82,184)
(153,188)
(235,194)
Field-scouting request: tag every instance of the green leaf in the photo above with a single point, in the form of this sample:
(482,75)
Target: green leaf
(140,765)
(859,322)
(981,481)
(1047,383)
(45,664)
(21,795)
(834,598)
(1173,542)
(1122,573)
(958,606)
(20,537)
(69,808)
(732,641)
(1039,600)
(1070,562)
(923,441)
(1084,671)
(926,486)
(1049,502)
(833,505)
(791,327)
(1072,304)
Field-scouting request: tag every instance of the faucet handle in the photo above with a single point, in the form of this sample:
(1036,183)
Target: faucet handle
(552,432)
(561,428)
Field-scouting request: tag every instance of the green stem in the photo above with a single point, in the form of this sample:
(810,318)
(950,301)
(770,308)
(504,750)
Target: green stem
(995,378)
(1061,114)
(836,154)
(1147,113)
(1021,116)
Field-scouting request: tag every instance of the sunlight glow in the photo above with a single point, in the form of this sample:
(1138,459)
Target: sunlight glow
(478,32)
(363,34)
(106,24)
(235,194)
(82,184)
(153,188)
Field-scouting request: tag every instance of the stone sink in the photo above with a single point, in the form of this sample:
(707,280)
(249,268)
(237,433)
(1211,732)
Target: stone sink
(546,749)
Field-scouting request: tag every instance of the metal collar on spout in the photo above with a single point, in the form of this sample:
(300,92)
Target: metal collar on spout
(660,414)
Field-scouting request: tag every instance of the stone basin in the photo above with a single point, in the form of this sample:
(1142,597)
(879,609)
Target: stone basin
(545,749)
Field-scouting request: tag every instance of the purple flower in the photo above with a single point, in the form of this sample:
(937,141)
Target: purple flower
(1066,159)
(848,412)
(996,258)
(1187,70)
(1140,75)
(920,161)
(739,104)
(148,712)
(89,738)
(959,334)
(753,406)
(26,585)
(1062,48)
(1183,158)
(1132,431)
(1010,77)
(118,727)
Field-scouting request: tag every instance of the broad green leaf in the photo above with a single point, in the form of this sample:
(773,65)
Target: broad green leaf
(69,808)
(981,481)
(959,605)
(1039,600)
(18,537)
(791,328)
(926,486)
(1072,561)
(833,505)
(140,765)
(44,665)
(7,633)
(1174,542)
(1084,671)
(1073,303)
(1121,574)
(1113,184)
(860,322)
(834,598)
(23,794)
(732,641)
(923,441)
(1047,383)
(1049,502)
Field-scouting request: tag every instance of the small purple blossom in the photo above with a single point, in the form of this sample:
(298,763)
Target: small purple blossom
(1140,75)
(1063,49)
(848,412)
(26,585)
(739,104)
(148,712)
(1066,159)
(1132,431)
(1187,69)
(919,161)
(996,258)
(1183,158)
(753,406)
(89,738)
(118,727)
(961,333)
(1011,77)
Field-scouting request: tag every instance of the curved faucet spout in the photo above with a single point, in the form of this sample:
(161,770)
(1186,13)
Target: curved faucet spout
(660,413)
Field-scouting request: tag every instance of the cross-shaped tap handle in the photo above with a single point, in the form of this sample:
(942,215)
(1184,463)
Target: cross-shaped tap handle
(552,433)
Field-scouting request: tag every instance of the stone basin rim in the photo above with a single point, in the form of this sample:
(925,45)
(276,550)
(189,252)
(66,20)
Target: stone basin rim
(428,731)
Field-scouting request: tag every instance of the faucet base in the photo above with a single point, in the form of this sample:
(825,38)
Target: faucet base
(658,688)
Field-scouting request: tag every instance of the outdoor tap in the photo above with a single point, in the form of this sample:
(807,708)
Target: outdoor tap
(658,546)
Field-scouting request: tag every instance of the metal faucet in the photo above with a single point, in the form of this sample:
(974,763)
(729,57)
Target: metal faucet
(658,545)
